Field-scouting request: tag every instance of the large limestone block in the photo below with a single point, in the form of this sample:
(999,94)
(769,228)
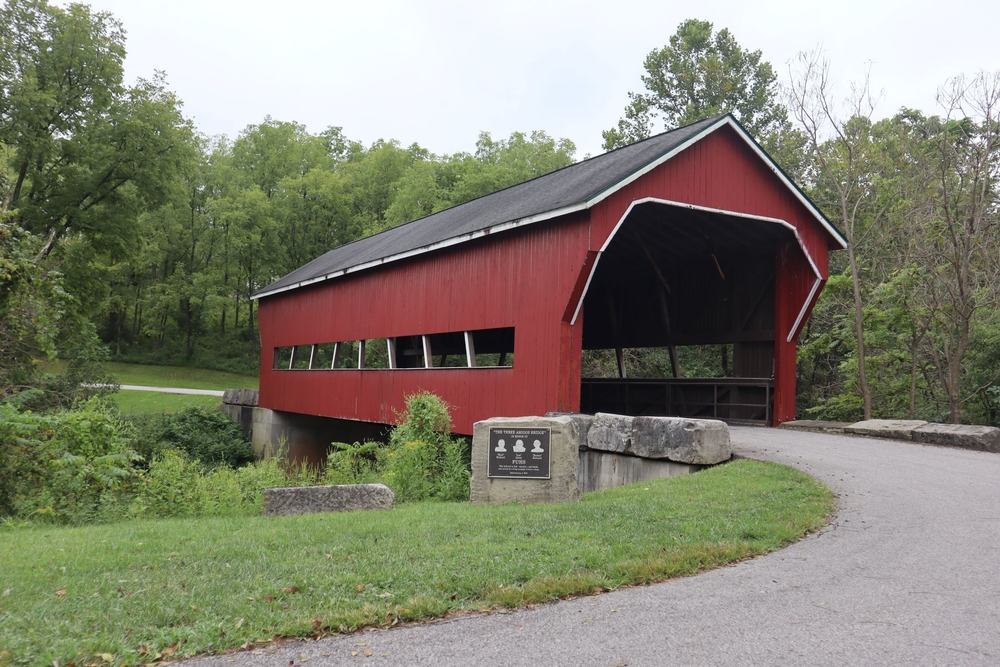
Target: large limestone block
(610,433)
(696,441)
(982,438)
(898,429)
(337,498)
(815,425)
(583,422)
(240,397)
(564,456)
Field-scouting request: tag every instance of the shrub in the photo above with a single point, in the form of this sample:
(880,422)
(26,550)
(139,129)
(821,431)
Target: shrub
(69,467)
(421,462)
(424,461)
(169,488)
(354,464)
(203,434)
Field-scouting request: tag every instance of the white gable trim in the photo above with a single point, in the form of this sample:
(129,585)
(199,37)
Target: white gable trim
(805,251)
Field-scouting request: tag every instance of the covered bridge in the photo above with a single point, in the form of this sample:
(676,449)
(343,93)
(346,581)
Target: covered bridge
(690,237)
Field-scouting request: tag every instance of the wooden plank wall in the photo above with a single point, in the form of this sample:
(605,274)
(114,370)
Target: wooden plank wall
(522,279)
(528,279)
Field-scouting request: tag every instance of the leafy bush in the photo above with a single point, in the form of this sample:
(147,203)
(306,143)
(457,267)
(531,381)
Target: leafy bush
(80,466)
(169,488)
(354,464)
(421,462)
(424,461)
(69,467)
(203,434)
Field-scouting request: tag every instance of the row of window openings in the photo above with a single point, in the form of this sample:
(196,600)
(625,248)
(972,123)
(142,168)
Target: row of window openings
(486,348)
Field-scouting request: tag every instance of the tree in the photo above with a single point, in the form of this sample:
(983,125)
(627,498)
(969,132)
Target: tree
(702,73)
(88,152)
(955,164)
(32,302)
(843,164)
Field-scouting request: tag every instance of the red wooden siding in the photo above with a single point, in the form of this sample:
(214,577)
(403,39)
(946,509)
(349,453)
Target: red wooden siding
(522,279)
(530,279)
(722,172)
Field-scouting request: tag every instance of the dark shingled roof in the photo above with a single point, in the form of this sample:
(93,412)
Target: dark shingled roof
(566,187)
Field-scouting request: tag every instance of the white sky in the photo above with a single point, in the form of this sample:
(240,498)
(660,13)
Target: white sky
(437,73)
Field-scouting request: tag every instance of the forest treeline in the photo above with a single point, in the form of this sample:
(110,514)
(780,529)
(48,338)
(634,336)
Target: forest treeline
(125,231)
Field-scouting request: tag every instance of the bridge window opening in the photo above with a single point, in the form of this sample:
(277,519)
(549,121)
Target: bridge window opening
(347,355)
(301,357)
(447,350)
(375,354)
(492,347)
(483,348)
(282,358)
(408,352)
(323,356)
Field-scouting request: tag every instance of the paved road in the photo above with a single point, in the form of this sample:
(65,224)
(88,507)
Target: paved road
(908,573)
(166,390)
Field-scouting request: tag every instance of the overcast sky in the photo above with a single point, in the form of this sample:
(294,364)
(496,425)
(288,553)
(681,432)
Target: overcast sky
(438,73)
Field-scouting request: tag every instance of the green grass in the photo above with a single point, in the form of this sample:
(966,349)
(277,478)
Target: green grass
(179,376)
(127,592)
(142,402)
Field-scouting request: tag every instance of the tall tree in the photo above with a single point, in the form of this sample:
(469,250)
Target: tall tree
(87,150)
(702,73)
(844,166)
(955,161)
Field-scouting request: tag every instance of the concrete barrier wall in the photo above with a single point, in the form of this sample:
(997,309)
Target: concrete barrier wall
(605,470)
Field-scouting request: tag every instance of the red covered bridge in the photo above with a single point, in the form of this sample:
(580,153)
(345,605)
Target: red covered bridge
(694,236)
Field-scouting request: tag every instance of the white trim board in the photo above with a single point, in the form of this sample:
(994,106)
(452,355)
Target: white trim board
(749,216)
(726,120)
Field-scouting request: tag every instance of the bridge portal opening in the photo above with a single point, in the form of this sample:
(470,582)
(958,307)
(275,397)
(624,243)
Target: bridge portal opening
(679,316)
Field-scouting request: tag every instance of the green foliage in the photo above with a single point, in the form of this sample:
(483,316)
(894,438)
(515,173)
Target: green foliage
(205,435)
(422,461)
(69,467)
(702,73)
(354,463)
(88,151)
(32,308)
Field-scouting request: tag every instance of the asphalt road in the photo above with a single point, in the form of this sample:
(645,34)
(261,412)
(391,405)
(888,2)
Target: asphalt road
(172,390)
(908,573)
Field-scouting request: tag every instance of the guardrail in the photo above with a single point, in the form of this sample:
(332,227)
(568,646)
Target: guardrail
(734,400)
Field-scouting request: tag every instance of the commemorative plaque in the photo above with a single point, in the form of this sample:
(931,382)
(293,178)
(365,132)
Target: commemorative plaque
(520,453)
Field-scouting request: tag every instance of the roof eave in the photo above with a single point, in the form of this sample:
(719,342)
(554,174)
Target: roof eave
(589,203)
(455,240)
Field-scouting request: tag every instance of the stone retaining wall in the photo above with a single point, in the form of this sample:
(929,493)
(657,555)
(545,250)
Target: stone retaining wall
(965,436)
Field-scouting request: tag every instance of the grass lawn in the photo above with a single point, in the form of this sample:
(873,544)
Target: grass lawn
(179,376)
(135,592)
(138,402)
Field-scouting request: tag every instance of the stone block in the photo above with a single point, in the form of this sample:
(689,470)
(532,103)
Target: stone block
(583,422)
(564,455)
(680,439)
(982,438)
(240,397)
(338,498)
(610,433)
(898,429)
(815,425)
